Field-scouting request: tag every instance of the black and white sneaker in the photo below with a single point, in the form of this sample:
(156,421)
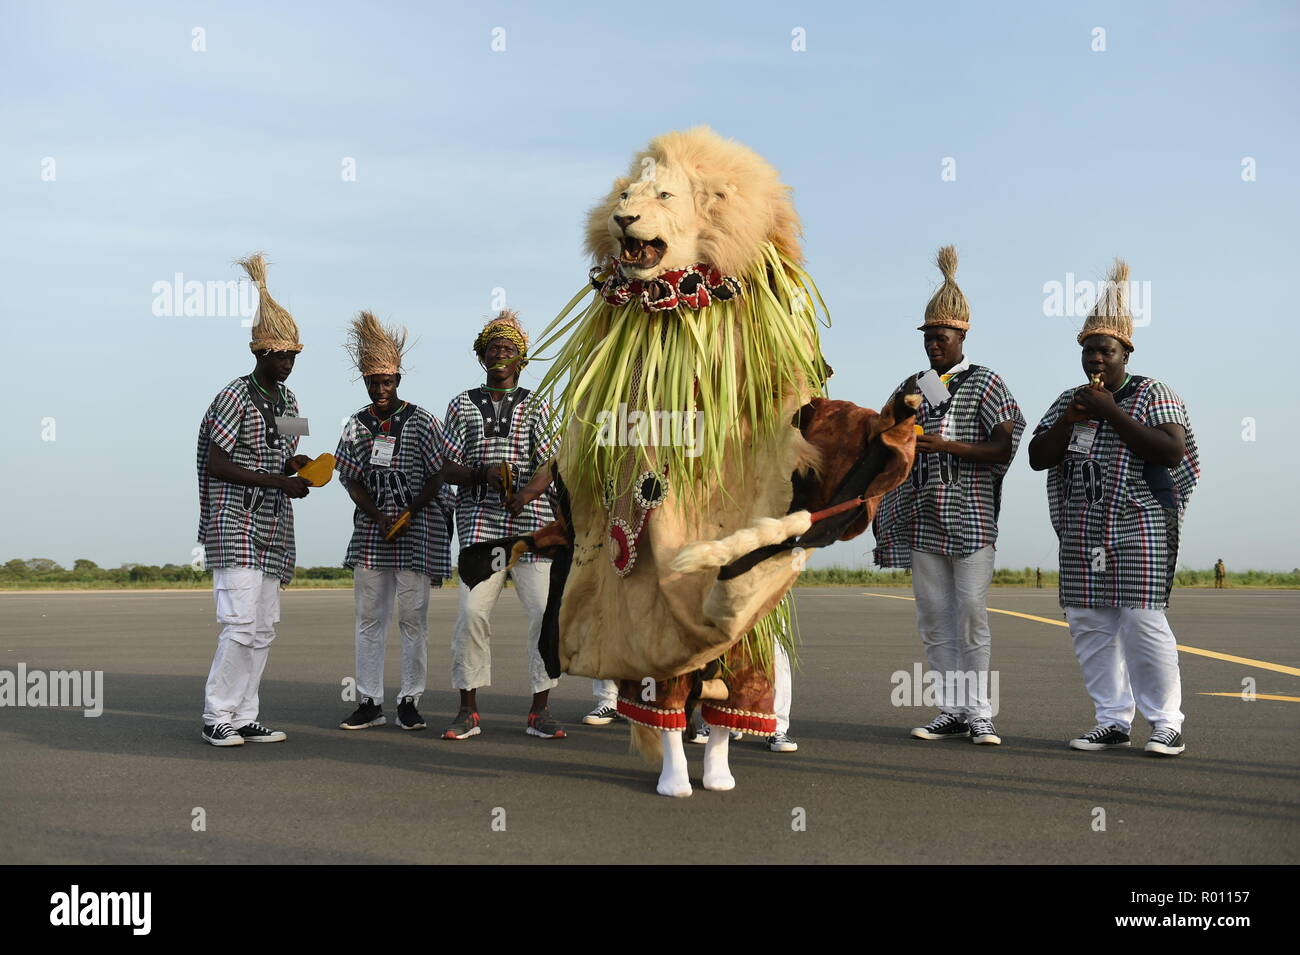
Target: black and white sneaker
(408,717)
(782,743)
(982,732)
(222,734)
(369,713)
(943,726)
(1101,737)
(1165,741)
(601,716)
(255,732)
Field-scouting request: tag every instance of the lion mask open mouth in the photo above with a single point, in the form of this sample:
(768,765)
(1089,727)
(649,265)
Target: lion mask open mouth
(641,253)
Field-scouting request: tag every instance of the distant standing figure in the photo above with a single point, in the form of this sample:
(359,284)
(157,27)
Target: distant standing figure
(1220,574)
(1038,577)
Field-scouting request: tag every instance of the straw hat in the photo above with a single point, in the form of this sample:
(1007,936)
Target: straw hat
(1110,316)
(948,307)
(375,350)
(275,329)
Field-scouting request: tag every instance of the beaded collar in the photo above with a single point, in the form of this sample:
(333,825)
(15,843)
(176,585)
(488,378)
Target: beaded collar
(696,286)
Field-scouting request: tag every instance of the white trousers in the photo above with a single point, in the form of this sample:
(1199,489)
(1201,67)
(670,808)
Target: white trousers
(248,605)
(1129,659)
(471,650)
(783,687)
(952,615)
(605,692)
(375,590)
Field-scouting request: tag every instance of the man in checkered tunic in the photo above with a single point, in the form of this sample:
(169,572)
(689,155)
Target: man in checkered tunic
(1122,462)
(487,427)
(942,522)
(245,471)
(389,460)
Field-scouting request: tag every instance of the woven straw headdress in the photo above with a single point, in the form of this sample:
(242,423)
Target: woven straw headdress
(1110,316)
(948,308)
(275,329)
(374,349)
(505,325)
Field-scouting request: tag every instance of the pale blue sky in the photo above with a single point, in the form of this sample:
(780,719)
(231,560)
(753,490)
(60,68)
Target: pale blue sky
(475,169)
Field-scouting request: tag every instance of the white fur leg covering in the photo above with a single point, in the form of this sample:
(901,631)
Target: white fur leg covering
(717,772)
(762,533)
(674,780)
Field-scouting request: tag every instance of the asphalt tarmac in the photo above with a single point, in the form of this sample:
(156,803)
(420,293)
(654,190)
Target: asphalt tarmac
(137,785)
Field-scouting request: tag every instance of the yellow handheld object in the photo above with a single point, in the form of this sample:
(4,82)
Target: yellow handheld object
(918,429)
(507,481)
(402,520)
(318,472)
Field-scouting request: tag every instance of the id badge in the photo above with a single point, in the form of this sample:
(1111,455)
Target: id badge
(1082,437)
(934,389)
(294,427)
(381,454)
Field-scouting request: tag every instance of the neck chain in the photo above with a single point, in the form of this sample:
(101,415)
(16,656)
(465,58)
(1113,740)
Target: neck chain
(504,391)
(258,385)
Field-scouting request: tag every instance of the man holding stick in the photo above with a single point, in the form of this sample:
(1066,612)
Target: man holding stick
(389,460)
(495,438)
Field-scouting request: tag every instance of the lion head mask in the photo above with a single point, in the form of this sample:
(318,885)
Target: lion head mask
(693,197)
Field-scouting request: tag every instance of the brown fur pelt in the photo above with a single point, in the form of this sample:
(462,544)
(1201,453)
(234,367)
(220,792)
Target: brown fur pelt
(840,430)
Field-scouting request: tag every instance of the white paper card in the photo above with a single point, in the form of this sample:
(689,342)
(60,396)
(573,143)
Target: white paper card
(294,427)
(935,391)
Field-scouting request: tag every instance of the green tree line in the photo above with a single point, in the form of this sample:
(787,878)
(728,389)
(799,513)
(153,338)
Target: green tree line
(43,573)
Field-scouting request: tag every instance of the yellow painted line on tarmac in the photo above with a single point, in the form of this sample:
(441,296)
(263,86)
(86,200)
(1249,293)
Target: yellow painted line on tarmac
(1258,696)
(1228,657)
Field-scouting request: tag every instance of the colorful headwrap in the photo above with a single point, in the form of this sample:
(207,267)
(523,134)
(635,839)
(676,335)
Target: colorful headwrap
(506,325)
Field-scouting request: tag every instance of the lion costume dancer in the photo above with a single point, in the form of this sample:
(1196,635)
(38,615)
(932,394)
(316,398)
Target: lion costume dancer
(692,414)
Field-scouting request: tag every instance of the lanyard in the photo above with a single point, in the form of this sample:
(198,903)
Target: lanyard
(266,394)
(386,424)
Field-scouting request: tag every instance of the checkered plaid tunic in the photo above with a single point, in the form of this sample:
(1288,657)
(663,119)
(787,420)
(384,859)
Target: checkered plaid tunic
(478,431)
(247,526)
(949,505)
(426,545)
(1119,545)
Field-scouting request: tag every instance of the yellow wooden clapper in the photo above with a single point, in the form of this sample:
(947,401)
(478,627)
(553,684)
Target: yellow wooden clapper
(318,471)
(507,481)
(402,520)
